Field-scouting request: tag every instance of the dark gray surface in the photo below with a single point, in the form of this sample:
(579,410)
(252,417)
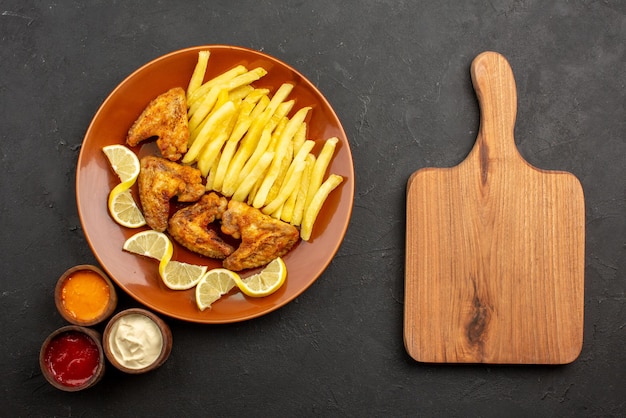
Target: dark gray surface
(397,74)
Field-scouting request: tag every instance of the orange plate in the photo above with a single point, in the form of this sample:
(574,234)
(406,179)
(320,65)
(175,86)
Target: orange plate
(138,276)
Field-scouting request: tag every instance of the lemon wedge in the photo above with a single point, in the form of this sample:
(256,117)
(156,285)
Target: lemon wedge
(151,244)
(123,161)
(182,276)
(268,281)
(124,210)
(213,285)
(121,204)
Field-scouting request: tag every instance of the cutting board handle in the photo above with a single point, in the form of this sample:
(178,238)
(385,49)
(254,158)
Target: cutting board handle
(494,84)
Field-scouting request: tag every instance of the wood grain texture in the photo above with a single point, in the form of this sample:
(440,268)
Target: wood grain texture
(494,247)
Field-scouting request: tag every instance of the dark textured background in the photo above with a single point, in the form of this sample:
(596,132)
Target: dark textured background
(397,74)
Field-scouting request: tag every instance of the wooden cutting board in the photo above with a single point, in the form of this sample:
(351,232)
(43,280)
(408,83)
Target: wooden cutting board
(494,248)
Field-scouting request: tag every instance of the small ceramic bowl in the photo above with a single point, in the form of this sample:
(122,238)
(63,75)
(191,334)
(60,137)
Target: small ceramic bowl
(85,296)
(125,330)
(59,352)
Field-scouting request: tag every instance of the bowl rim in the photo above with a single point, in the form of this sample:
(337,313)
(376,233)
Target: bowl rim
(58,297)
(166,335)
(95,336)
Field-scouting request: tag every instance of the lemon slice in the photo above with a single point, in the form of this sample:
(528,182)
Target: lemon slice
(124,210)
(269,280)
(122,206)
(123,161)
(151,244)
(213,285)
(182,276)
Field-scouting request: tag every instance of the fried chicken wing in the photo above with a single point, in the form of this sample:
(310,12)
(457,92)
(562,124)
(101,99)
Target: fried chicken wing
(190,227)
(263,238)
(166,118)
(160,181)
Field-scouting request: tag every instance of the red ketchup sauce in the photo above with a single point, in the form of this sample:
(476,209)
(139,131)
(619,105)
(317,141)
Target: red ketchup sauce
(72,358)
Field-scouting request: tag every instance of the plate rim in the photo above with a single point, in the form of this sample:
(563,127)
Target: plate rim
(349,190)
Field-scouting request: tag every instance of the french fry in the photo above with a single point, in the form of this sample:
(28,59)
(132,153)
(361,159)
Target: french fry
(290,184)
(280,96)
(208,155)
(240,93)
(272,147)
(203,137)
(240,158)
(281,149)
(290,203)
(204,108)
(318,200)
(220,79)
(251,139)
(299,137)
(305,149)
(260,149)
(283,109)
(253,101)
(277,133)
(275,110)
(256,95)
(274,125)
(222,97)
(298,210)
(244,188)
(242,126)
(211,176)
(260,118)
(210,152)
(222,166)
(198,72)
(208,102)
(321,164)
(278,212)
(260,107)
(282,174)
(246,78)
(229,150)
(255,189)
(280,114)
(287,170)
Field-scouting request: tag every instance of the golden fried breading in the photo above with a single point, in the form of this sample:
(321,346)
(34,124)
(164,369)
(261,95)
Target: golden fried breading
(263,238)
(190,227)
(166,118)
(161,180)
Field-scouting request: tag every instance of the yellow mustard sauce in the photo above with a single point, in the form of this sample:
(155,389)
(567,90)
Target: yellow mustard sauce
(85,295)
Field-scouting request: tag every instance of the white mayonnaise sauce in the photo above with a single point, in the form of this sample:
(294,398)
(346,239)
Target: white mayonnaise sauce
(135,341)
